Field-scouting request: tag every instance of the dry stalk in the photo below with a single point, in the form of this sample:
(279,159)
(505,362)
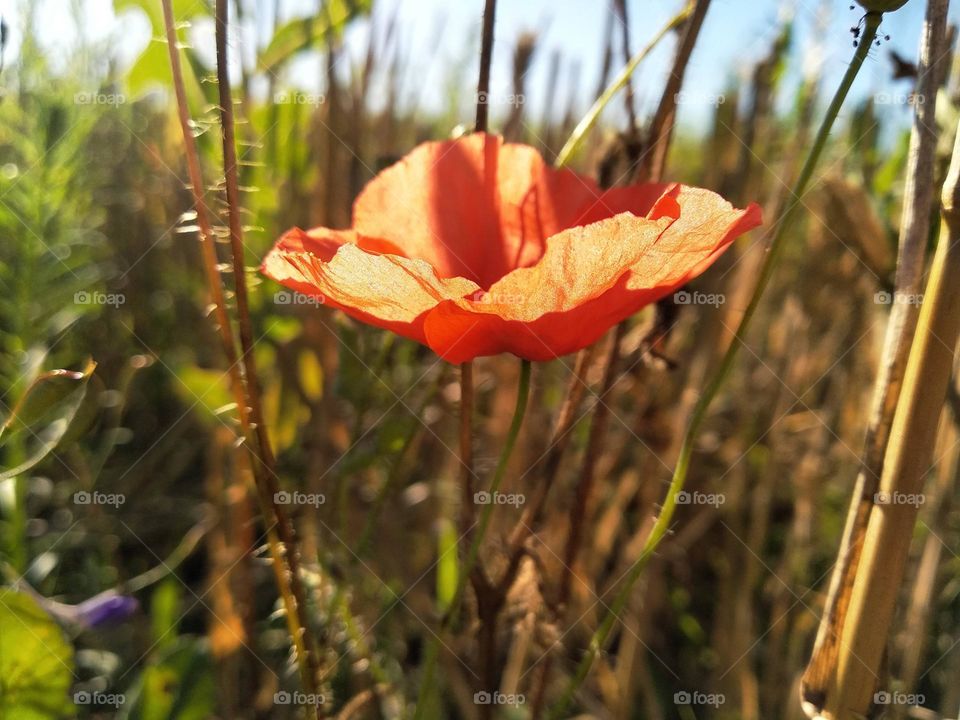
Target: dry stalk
(918,196)
(886,542)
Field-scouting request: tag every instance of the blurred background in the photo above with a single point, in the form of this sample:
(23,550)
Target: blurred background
(126,522)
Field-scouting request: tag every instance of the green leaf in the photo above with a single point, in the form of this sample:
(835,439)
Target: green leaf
(152,68)
(36,661)
(448,567)
(165,612)
(206,390)
(301,34)
(44,413)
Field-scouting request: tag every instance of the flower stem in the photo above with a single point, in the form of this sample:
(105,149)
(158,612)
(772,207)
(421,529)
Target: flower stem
(470,561)
(662,523)
(523,392)
(466,398)
(466,447)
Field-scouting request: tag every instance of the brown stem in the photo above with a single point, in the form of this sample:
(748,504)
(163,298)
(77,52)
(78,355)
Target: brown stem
(918,198)
(661,128)
(224,327)
(545,470)
(486,56)
(207,240)
(264,463)
(578,510)
(886,543)
(607,58)
(598,430)
(620,10)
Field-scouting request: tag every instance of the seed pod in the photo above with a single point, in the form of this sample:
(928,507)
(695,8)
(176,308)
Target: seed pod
(881,6)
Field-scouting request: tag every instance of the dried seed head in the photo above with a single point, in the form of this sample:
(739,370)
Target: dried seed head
(881,6)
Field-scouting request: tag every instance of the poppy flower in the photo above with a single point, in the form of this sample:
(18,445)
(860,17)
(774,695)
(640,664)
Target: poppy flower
(476,247)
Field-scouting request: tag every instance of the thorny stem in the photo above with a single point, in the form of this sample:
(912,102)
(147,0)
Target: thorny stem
(662,524)
(285,553)
(223,324)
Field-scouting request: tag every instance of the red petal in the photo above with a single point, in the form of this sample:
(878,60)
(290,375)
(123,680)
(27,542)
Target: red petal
(478,208)
(588,280)
(387,291)
(460,216)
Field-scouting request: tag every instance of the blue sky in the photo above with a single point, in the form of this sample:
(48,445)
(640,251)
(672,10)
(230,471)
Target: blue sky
(736,34)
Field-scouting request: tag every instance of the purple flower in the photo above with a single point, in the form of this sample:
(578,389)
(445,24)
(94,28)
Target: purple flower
(104,608)
(107,607)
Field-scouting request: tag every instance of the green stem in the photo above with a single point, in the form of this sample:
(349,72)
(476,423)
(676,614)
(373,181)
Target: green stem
(662,523)
(590,119)
(433,650)
(523,392)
